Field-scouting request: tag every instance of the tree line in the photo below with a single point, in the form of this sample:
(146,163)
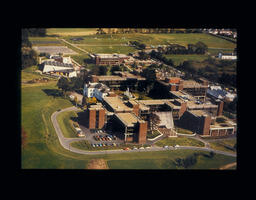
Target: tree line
(198,48)
(145,30)
(29,57)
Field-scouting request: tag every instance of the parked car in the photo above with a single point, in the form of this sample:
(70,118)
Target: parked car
(103,145)
(93,145)
(114,144)
(127,148)
(141,148)
(177,145)
(147,148)
(134,148)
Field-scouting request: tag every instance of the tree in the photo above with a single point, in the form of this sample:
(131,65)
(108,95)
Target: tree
(29,57)
(103,70)
(115,68)
(201,48)
(63,84)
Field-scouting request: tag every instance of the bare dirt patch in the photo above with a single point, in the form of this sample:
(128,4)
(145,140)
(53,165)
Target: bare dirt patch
(97,164)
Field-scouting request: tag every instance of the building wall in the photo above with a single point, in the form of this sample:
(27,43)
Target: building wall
(206,122)
(101,118)
(92,119)
(220,108)
(142,133)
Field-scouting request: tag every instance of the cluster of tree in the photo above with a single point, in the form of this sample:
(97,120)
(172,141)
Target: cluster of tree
(150,30)
(138,45)
(159,56)
(23,138)
(212,69)
(29,56)
(191,159)
(198,48)
(99,70)
(70,84)
(143,55)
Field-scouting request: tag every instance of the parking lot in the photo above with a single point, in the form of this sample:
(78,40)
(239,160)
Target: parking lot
(99,138)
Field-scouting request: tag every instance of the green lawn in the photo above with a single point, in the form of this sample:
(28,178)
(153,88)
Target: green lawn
(184,131)
(109,49)
(65,121)
(182,141)
(223,145)
(165,161)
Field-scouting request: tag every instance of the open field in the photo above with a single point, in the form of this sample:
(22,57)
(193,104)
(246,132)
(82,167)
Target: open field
(182,141)
(44,41)
(70,31)
(179,59)
(156,39)
(109,49)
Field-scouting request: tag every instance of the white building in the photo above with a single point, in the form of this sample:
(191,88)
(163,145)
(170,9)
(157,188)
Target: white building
(97,90)
(218,93)
(227,56)
(59,68)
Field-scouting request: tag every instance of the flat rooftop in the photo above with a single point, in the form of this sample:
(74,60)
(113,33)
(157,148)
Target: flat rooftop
(152,102)
(198,113)
(98,106)
(116,104)
(128,119)
(193,105)
(104,55)
(193,84)
(111,78)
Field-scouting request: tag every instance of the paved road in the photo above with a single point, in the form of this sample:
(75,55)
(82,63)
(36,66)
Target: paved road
(65,142)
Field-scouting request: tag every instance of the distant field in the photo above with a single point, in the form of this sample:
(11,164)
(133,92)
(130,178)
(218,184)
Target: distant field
(109,49)
(178,59)
(156,39)
(70,31)
(44,41)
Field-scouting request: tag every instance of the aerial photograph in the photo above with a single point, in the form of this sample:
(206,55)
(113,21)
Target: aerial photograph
(128,98)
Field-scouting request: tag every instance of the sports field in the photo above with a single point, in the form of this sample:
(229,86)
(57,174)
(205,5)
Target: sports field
(179,59)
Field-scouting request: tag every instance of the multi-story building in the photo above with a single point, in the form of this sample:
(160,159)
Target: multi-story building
(95,116)
(109,59)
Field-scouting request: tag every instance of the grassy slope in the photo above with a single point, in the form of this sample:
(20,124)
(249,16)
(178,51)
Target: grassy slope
(178,59)
(183,141)
(64,120)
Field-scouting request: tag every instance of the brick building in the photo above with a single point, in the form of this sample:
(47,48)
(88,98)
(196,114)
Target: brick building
(96,116)
(109,59)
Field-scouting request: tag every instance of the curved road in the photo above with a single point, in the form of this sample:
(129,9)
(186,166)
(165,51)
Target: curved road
(65,142)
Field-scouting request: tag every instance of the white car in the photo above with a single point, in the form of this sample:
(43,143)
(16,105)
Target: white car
(166,147)
(141,148)
(177,145)
(134,148)
(147,148)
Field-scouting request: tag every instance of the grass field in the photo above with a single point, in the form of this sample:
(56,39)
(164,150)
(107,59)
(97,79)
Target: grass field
(165,161)
(70,31)
(182,141)
(223,145)
(184,131)
(156,39)
(109,49)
